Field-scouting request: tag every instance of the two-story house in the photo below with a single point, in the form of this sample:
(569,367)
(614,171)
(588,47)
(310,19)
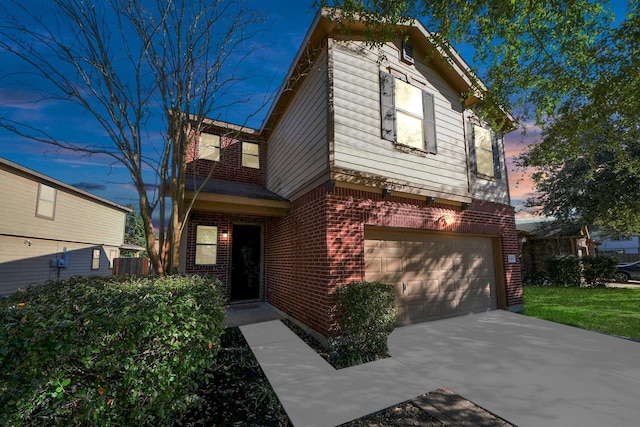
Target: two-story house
(372,164)
(50,230)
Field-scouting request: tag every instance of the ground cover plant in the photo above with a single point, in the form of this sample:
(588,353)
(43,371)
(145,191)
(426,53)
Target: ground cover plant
(237,393)
(107,351)
(613,311)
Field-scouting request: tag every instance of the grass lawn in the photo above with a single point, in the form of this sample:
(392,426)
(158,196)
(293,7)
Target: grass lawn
(613,311)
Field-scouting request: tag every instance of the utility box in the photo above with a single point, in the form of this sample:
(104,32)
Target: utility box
(61,263)
(53,262)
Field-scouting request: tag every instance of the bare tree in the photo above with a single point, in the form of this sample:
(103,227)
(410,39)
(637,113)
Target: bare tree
(148,72)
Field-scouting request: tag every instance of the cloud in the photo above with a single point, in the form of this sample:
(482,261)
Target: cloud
(88,186)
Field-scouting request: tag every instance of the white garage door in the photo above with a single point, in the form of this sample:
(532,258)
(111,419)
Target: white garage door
(435,275)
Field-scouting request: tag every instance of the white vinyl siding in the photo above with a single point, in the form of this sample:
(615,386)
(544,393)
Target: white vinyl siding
(206,244)
(29,242)
(209,147)
(298,148)
(361,151)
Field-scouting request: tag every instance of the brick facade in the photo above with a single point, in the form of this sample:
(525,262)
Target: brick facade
(224,222)
(320,245)
(230,165)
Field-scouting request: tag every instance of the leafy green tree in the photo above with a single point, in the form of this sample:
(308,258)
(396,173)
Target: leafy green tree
(569,67)
(134,233)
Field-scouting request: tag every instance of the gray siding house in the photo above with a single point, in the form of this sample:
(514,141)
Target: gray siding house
(51,230)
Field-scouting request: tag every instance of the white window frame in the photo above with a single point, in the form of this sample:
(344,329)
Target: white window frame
(206,252)
(485,151)
(209,147)
(393,114)
(46,203)
(95,259)
(250,154)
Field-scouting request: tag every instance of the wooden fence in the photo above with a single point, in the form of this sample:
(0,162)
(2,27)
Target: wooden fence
(131,266)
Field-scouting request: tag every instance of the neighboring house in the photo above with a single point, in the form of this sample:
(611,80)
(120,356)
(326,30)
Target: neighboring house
(620,244)
(540,241)
(370,166)
(51,230)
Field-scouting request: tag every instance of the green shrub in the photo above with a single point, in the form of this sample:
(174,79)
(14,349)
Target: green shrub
(564,270)
(598,269)
(366,314)
(107,351)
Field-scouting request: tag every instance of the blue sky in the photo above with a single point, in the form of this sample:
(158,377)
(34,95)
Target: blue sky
(289,21)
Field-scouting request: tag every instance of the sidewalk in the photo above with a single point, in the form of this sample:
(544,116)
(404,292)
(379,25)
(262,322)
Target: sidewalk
(529,371)
(313,393)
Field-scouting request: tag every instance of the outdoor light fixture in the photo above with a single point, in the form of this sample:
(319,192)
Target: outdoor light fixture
(225,234)
(431,201)
(446,220)
(386,194)
(466,206)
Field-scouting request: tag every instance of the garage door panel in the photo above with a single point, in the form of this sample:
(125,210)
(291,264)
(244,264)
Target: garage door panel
(393,265)
(445,275)
(414,289)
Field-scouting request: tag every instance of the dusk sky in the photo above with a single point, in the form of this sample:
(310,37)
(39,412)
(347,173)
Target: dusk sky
(289,21)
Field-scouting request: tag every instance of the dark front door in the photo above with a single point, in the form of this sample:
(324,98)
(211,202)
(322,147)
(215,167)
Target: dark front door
(245,262)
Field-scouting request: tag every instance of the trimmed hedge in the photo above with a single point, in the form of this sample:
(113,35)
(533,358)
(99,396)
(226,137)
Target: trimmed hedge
(589,270)
(366,314)
(598,269)
(107,351)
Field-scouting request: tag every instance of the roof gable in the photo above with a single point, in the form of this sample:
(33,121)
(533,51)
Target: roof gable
(447,62)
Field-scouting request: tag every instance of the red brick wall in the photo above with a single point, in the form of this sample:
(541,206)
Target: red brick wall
(305,265)
(224,222)
(297,264)
(230,165)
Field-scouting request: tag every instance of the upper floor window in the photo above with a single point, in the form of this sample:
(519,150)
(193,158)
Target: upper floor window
(209,148)
(485,152)
(206,244)
(46,206)
(408,114)
(251,155)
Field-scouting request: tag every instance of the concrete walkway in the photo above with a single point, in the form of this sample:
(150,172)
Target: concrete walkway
(527,371)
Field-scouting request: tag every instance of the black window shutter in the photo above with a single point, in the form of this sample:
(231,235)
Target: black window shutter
(387,106)
(428,104)
(495,147)
(473,164)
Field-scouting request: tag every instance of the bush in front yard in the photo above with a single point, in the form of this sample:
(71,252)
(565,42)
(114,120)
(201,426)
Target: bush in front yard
(598,269)
(107,351)
(564,270)
(366,314)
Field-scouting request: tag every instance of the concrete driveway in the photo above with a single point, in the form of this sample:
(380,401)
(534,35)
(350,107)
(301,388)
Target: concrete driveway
(528,371)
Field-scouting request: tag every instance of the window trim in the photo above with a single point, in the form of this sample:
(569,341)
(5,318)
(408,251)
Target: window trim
(249,155)
(41,202)
(214,147)
(209,244)
(95,260)
(389,121)
(473,150)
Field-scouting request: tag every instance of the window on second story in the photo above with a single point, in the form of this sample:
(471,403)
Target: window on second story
(209,148)
(46,206)
(484,152)
(251,155)
(206,244)
(408,114)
